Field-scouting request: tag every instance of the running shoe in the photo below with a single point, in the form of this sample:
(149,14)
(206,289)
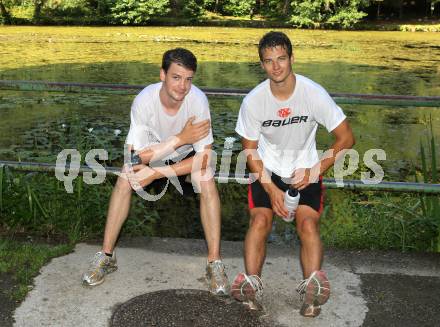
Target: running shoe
(100,266)
(248,289)
(216,278)
(314,292)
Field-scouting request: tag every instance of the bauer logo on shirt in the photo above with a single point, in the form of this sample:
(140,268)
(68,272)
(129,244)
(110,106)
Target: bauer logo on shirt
(285,122)
(284,112)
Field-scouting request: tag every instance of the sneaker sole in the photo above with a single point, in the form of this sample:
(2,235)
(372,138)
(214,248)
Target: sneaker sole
(253,305)
(310,311)
(99,282)
(220,292)
(319,299)
(85,283)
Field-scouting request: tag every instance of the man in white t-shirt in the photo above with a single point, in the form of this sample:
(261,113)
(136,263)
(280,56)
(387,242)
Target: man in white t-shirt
(278,121)
(170,138)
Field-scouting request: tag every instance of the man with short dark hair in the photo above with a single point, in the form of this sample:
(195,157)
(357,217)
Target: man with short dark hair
(171,134)
(278,121)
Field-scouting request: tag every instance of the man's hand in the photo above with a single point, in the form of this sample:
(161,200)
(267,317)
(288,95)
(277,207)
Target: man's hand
(277,200)
(303,177)
(141,176)
(193,132)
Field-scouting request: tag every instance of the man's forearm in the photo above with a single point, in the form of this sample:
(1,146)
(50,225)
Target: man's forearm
(199,161)
(159,151)
(337,150)
(180,168)
(256,167)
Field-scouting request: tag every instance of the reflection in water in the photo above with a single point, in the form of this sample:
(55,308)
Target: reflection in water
(37,127)
(356,62)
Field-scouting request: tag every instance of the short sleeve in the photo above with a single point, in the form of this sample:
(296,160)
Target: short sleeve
(327,112)
(248,126)
(202,113)
(138,133)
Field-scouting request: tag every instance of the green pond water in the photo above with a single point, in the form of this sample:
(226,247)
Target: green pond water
(35,126)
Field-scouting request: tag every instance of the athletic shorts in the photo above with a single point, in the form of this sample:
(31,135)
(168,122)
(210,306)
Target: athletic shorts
(312,195)
(185,180)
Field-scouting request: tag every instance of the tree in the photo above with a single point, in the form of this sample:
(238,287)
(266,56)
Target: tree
(306,13)
(276,8)
(4,13)
(238,7)
(138,11)
(38,5)
(346,16)
(344,13)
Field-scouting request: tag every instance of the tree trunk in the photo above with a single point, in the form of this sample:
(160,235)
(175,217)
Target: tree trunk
(401,9)
(286,7)
(37,9)
(6,17)
(175,7)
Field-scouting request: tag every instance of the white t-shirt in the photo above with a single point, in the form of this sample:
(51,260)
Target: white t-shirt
(150,124)
(286,130)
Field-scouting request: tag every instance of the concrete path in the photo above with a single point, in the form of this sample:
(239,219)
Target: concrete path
(59,299)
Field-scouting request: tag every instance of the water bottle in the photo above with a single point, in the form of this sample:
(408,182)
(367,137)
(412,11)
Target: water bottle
(134,158)
(291,200)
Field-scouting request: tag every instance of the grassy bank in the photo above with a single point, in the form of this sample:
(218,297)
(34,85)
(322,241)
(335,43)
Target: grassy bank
(38,205)
(23,260)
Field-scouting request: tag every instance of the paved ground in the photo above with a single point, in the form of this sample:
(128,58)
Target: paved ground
(368,288)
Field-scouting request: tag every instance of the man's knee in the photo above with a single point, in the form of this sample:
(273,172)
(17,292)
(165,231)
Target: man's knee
(123,185)
(308,227)
(204,182)
(261,223)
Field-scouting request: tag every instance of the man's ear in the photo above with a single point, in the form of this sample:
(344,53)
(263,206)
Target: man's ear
(162,75)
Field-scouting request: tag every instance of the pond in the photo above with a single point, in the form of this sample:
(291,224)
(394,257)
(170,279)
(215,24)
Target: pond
(35,126)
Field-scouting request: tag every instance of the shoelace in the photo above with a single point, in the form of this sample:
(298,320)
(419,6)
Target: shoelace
(97,259)
(302,286)
(256,284)
(218,270)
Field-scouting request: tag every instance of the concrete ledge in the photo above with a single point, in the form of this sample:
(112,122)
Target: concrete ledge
(59,299)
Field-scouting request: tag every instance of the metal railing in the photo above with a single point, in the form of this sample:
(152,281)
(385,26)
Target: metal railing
(329,183)
(125,89)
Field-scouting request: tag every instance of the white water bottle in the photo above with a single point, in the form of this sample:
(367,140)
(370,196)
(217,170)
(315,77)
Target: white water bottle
(291,201)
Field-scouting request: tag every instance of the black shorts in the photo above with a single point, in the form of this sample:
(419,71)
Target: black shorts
(312,195)
(185,180)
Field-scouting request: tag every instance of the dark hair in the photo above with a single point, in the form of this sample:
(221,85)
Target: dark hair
(180,56)
(272,40)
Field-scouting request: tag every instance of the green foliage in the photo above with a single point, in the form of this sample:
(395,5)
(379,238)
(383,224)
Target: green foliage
(130,12)
(430,205)
(306,13)
(346,17)
(313,13)
(238,7)
(371,220)
(5,16)
(193,9)
(277,9)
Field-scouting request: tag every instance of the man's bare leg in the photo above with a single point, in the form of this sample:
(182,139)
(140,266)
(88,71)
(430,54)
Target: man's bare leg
(210,217)
(315,288)
(116,216)
(260,226)
(216,277)
(307,226)
(117,213)
(247,287)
